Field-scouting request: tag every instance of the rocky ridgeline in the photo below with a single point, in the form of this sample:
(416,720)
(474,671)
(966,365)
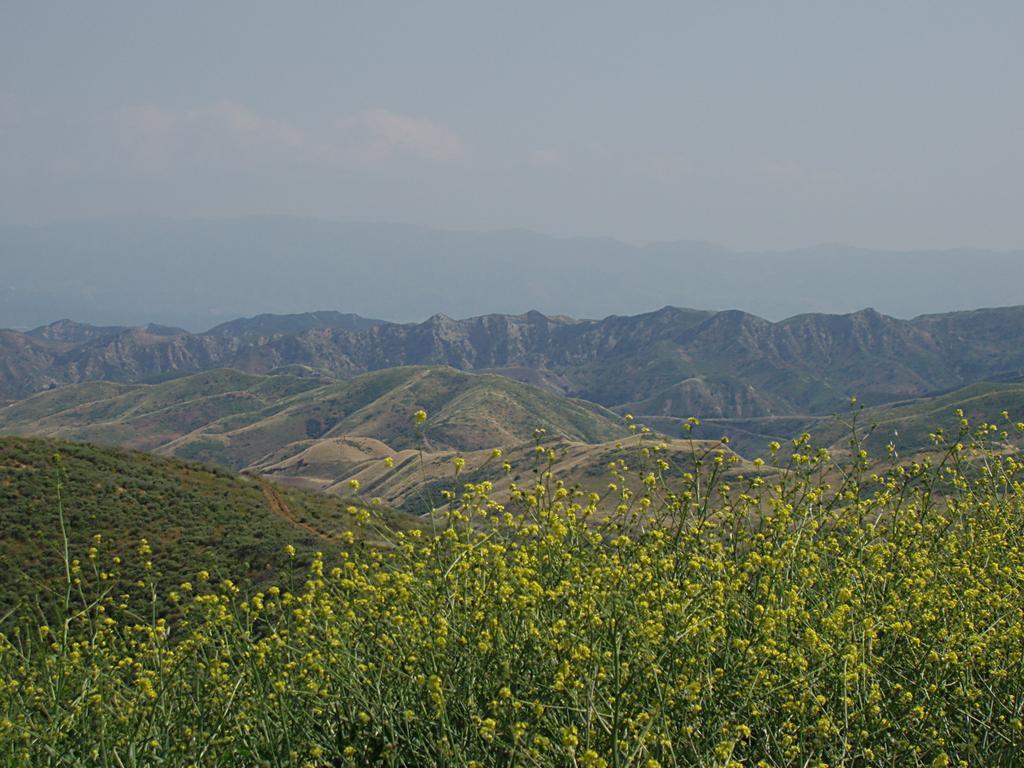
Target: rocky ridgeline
(673,362)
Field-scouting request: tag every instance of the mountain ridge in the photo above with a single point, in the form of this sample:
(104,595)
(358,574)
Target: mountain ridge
(672,361)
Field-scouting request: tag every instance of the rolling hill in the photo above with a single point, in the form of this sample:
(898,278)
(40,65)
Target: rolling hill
(236,420)
(316,434)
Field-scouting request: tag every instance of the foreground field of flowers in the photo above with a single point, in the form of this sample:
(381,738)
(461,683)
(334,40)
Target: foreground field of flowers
(828,612)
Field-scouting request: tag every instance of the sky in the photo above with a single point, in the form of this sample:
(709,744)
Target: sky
(754,125)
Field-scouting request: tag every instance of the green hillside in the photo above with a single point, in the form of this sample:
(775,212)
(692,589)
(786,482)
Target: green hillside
(195,517)
(468,411)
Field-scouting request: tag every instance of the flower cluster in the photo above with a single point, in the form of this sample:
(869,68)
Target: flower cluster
(816,611)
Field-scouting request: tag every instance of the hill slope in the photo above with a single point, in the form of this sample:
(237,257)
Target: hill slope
(196,517)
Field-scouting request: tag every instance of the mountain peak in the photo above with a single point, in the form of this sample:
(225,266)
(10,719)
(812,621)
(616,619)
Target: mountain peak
(439,318)
(66,330)
(268,324)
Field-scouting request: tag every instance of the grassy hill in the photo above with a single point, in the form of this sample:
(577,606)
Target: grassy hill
(908,424)
(317,433)
(196,517)
(236,420)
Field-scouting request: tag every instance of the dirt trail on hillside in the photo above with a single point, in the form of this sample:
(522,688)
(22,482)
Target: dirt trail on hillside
(280,507)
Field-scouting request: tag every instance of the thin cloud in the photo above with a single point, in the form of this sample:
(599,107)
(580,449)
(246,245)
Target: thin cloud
(380,133)
(154,139)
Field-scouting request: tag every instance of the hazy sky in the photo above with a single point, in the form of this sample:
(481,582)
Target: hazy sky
(755,125)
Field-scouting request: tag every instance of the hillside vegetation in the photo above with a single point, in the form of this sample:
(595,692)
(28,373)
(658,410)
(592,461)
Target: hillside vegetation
(830,613)
(234,526)
(318,433)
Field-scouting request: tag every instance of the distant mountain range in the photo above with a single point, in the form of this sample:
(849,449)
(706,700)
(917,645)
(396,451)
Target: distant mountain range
(669,363)
(200,273)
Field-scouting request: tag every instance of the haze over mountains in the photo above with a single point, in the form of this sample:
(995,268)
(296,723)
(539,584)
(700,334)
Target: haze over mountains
(198,273)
